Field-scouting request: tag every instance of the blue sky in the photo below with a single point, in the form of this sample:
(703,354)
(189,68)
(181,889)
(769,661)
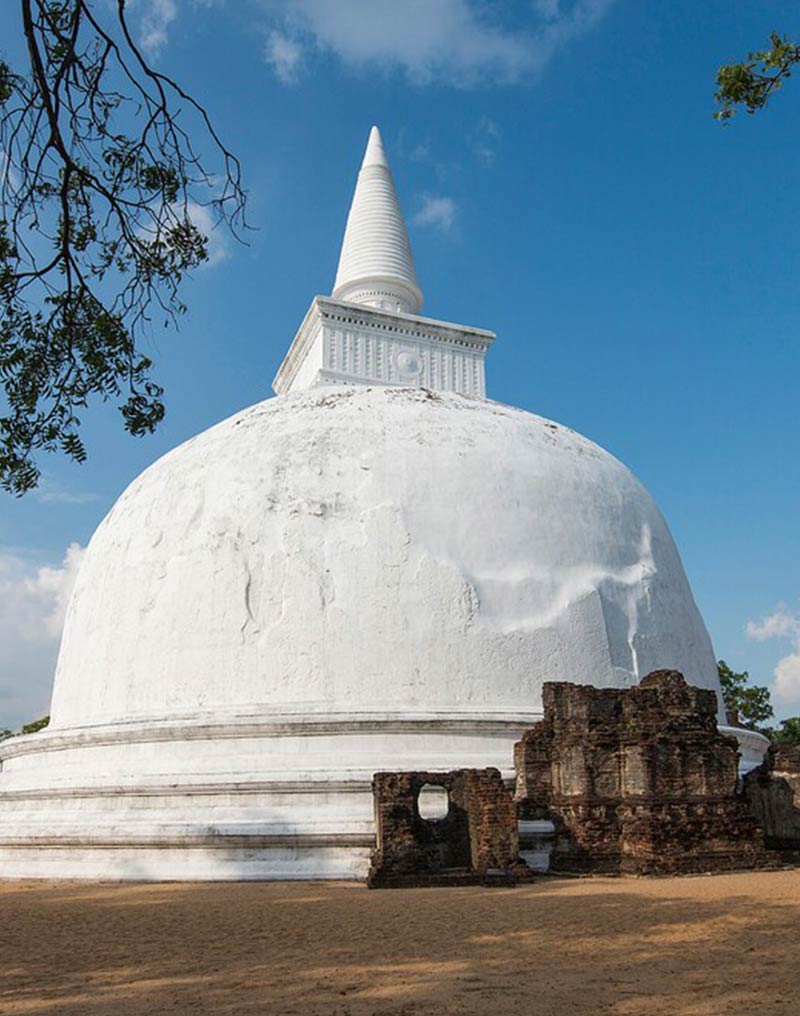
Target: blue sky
(566,186)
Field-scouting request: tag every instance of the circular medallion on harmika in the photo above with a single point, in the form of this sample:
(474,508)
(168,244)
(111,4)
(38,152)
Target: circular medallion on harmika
(408,363)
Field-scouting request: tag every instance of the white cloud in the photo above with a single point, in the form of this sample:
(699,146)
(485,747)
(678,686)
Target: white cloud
(782,624)
(436,211)
(201,216)
(457,42)
(155,19)
(786,688)
(33,603)
(284,55)
(219,248)
(51,492)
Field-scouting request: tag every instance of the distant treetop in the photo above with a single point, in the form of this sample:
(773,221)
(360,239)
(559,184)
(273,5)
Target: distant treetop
(752,82)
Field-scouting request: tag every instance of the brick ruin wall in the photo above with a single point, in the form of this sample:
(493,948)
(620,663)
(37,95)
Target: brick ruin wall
(772,792)
(476,841)
(637,781)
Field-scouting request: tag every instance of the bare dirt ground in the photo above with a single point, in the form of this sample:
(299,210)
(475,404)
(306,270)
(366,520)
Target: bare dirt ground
(709,945)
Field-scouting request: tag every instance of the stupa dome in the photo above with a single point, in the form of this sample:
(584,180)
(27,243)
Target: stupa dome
(363,550)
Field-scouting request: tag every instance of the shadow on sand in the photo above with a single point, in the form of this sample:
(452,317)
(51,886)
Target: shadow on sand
(726,944)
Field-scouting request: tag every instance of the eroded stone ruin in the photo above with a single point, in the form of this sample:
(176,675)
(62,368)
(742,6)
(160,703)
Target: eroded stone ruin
(468,836)
(772,792)
(637,780)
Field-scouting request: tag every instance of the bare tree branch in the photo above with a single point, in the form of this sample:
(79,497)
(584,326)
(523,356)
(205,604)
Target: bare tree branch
(99,175)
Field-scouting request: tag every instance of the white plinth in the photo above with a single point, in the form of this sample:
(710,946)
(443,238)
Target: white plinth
(286,797)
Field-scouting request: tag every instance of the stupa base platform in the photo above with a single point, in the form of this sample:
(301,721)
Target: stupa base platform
(215,857)
(285,796)
(252,797)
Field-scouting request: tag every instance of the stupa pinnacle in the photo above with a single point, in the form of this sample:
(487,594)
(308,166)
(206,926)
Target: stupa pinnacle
(369,331)
(376,266)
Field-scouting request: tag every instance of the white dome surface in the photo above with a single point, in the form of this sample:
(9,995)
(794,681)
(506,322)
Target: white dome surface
(360,551)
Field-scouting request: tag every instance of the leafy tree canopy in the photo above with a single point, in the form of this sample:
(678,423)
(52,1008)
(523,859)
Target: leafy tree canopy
(99,176)
(751,83)
(789,732)
(31,728)
(751,703)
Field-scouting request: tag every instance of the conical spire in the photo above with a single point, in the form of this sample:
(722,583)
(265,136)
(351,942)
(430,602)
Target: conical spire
(376,266)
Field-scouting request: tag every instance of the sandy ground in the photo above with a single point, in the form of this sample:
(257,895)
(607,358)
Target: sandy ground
(711,945)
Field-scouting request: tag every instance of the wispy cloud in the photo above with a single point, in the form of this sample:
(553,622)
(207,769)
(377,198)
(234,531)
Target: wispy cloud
(455,42)
(785,625)
(423,151)
(203,218)
(155,19)
(33,603)
(51,492)
(782,624)
(786,687)
(284,55)
(66,497)
(219,239)
(437,211)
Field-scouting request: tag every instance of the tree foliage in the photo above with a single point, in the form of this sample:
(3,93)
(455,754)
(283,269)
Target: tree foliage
(788,734)
(751,703)
(98,182)
(35,725)
(751,83)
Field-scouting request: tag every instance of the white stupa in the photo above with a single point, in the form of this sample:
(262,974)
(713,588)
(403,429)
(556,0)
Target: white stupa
(377,569)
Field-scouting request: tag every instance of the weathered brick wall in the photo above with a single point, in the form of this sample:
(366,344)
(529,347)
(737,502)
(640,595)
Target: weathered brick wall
(492,815)
(476,841)
(636,780)
(773,795)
